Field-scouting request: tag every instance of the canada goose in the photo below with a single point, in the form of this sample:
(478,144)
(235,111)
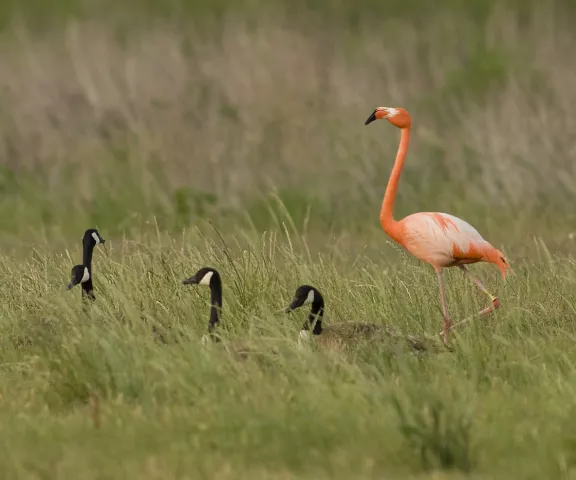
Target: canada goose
(340,334)
(209,277)
(82,274)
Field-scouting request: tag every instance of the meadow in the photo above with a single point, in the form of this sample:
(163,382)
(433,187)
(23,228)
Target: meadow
(232,135)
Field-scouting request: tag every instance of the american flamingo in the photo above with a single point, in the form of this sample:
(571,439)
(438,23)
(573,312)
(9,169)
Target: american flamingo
(438,239)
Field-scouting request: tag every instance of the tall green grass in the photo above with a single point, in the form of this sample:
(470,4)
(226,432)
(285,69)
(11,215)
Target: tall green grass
(97,394)
(206,133)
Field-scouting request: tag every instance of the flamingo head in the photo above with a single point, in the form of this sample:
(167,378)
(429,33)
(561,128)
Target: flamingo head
(396,116)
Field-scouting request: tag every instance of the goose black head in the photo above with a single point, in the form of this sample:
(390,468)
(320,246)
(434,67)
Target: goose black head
(80,274)
(305,295)
(205,276)
(92,237)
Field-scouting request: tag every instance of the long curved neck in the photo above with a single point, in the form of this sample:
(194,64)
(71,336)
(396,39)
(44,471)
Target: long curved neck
(88,250)
(387,212)
(315,317)
(87,288)
(215,301)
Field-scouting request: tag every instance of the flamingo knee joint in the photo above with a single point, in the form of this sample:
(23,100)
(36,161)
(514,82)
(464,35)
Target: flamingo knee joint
(495,301)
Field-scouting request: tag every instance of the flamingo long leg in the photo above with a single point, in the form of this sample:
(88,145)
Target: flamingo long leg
(485,311)
(447,321)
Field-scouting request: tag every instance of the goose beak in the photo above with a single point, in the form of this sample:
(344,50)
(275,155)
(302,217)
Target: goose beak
(296,303)
(71,284)
(190,281)
(371,118)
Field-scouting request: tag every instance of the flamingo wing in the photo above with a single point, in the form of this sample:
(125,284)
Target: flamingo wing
(444,240)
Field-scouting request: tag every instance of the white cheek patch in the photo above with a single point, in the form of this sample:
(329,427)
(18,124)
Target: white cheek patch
(96,237)
(86,276)
(392,112)
(206,279)
(309,298)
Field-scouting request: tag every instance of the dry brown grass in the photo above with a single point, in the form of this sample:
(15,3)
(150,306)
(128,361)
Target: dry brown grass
(276,104)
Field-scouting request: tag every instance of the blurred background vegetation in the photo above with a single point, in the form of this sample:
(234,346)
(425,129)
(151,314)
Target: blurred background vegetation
(148,118)
(119,113)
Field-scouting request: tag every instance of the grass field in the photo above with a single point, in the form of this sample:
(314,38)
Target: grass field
(206,133)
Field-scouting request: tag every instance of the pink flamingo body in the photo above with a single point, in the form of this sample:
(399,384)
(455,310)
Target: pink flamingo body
(439,239)
(442,240)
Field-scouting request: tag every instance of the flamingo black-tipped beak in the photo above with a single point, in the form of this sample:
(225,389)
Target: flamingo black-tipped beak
(190,281)
(371,118)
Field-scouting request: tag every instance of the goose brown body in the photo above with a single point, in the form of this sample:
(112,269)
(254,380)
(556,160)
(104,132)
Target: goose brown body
(341,335)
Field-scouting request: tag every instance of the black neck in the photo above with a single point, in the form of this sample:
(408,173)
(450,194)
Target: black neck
(216,301)
(315,317)
(88,250)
